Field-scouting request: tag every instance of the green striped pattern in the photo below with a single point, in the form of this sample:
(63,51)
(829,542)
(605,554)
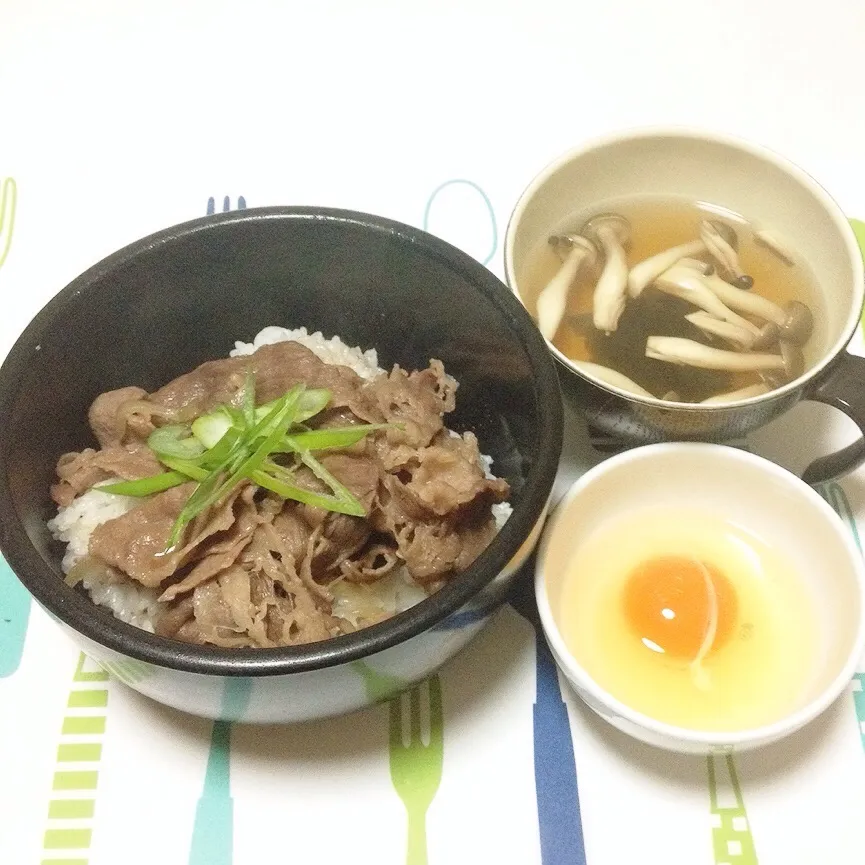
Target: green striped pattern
(732,842)
(8,201)
(72,805)
(836,497)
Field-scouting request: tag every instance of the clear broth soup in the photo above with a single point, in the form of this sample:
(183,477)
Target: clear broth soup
(659,223)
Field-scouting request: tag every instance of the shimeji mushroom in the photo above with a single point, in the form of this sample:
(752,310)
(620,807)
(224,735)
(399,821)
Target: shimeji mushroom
(611,377)
(794,360)
(791,323)
(705,268)
(687,352)
(721,242)
(612,233)
(690,285)
(648,270)
(553,300)
(739,336)
(734,395)
(797,327)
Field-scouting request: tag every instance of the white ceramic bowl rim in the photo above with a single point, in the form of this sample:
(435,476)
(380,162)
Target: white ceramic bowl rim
(720,739)
(832,208)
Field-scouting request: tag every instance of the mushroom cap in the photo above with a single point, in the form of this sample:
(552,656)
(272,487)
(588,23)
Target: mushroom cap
(799,324)
(618,225)
(794,360)
(769,335)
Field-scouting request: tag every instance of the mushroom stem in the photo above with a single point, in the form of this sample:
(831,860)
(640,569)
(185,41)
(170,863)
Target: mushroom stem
(611,377)
(612,234)
(735,395)
(739,336)
(704,268)
(648,270)
(720,239)
(744,301)
(688,284)
(553,300)
(794,323)
(686,352)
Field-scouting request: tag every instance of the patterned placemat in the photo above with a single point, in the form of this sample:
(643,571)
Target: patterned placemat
(508,766)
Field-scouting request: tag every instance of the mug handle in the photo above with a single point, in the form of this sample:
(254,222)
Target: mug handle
(843,388)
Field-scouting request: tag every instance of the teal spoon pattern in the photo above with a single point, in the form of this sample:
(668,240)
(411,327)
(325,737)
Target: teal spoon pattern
(14,616)
(213,829)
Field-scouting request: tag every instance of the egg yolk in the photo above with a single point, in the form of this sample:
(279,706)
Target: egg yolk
(668,604)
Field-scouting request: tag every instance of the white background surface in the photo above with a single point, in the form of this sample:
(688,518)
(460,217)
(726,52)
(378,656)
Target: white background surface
(117,119)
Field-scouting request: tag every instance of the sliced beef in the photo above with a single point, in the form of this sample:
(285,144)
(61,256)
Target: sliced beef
(299,610)
(294,532)
(342,536)
(358,471)
(432,547)
(374,561)
(106,420)
(220,620)
(78,472)
(219,552)
(277,369)
(258,571)
(174,616)
(417,401)
(449,475)
(136,542)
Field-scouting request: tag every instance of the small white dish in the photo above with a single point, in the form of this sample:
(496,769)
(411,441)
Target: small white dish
(772,503)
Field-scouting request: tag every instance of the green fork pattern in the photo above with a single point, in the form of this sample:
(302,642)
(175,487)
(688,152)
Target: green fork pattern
(8,202)
(416,757)
(72,805)
(732,842)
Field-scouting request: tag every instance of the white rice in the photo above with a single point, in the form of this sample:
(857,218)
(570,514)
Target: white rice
(333,350)
(137,605)
(73,525)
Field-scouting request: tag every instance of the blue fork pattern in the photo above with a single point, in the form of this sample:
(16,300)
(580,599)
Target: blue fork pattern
(213,829)
(558,796)
(558,801)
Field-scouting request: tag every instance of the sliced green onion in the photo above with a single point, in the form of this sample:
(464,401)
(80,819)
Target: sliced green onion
(175,441)
(145,486)
(210,428)
(213,488)
(333,437)
(350,504)
(311,403)
(191,470)
(229,444)
(287,490)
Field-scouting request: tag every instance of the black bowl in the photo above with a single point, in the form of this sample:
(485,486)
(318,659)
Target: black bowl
(167,303)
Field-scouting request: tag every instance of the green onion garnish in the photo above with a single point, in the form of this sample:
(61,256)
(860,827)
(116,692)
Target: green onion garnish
(221,449)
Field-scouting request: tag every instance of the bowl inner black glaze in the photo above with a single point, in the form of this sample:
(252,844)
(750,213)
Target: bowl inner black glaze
(169,302)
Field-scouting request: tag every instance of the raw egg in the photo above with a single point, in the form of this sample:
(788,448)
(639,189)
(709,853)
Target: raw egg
(689,618)
(679,606)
